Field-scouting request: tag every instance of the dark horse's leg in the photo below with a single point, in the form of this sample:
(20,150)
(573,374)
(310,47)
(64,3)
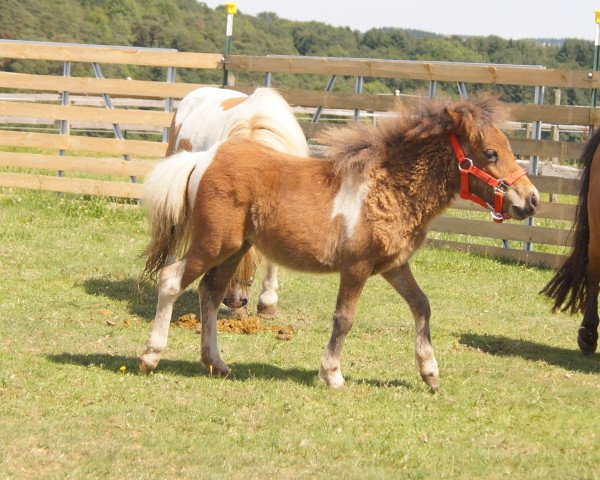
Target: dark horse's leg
(588,333)
(405,284)
(352,282)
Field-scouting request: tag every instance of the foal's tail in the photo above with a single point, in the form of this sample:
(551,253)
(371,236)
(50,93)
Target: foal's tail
(568,287)
(165,202)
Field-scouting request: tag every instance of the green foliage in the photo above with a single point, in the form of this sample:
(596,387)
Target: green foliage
(187,25)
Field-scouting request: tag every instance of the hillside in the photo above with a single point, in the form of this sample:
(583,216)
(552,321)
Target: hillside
(190,26)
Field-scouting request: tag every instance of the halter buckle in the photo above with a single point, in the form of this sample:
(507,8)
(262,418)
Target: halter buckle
(468,167)
(496,216)
(501,187)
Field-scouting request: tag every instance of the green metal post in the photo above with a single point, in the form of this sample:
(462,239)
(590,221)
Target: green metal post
(231,10)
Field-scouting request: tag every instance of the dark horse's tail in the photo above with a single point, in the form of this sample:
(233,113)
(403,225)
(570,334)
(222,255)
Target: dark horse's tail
(568,287)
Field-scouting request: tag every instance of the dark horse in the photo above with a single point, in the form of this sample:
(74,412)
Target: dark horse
(574,288)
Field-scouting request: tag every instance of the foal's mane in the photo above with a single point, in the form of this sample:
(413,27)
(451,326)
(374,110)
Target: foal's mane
(357,148)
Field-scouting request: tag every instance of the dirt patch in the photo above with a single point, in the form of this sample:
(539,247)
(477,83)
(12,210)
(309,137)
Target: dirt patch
(249,326)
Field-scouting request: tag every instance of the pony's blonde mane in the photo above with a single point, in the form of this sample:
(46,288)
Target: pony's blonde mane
(272,123)
(357,148)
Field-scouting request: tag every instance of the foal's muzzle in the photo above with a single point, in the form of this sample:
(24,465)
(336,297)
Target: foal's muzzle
(528,209)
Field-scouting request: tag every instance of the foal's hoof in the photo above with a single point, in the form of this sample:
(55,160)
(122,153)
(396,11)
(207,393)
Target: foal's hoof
(587,341)
(147,366)
(217,369)
(333,379)
(432,380)
(266,311)
(144,370)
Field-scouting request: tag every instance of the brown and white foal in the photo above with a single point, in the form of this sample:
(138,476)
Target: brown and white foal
(362,212)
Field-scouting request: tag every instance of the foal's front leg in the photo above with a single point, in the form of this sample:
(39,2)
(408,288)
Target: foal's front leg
(351,284)
(405,284)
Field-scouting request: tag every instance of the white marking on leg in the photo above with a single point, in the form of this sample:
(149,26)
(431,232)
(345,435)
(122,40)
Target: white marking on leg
(426,362)
(330,371)
(169,289)
(348,203)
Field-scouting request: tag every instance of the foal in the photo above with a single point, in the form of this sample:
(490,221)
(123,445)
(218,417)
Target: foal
(362,212)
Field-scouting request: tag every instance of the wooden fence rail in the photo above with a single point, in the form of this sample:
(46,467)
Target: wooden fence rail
(30,159)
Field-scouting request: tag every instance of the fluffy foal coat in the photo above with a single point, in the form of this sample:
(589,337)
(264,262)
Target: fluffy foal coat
(362,212)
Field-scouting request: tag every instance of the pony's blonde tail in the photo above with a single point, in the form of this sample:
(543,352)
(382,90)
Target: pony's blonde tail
(165,202)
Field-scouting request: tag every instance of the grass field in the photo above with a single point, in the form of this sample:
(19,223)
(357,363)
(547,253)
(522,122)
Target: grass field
(517,398)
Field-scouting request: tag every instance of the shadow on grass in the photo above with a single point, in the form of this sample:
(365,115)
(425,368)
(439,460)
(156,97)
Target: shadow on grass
(379,383)
(510,347)
(140,303)
(240,372)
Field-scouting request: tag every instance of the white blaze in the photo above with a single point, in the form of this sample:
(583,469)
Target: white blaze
(348,203)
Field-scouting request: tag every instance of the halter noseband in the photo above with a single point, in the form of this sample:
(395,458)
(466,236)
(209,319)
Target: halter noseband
(500,185)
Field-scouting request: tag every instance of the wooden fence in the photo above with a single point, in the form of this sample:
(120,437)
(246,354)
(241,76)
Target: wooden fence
(31,159)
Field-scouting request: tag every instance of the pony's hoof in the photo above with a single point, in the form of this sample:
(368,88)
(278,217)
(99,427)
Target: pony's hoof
(146,368)
(217,369)
(332,379)
(266,311)
(433,381)
(587,341)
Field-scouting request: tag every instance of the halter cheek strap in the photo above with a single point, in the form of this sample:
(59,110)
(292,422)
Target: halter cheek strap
(500,186)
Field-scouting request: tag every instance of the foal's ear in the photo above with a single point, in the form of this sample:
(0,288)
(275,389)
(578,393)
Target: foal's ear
(461,121)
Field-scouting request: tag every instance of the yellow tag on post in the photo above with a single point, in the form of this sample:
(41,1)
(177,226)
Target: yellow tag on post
(597,16)
(232,8)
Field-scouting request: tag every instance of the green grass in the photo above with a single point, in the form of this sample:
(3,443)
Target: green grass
(517,398)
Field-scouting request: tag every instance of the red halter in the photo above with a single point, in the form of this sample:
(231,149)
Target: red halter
(500,185)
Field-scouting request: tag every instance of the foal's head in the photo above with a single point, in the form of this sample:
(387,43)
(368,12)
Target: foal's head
(486,148)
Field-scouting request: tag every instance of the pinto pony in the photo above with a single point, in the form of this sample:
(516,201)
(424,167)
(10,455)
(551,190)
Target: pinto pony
(364,211)
(209,115)
(575,286)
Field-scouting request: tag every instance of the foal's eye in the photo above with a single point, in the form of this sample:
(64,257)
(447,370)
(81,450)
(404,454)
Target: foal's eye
(491,155)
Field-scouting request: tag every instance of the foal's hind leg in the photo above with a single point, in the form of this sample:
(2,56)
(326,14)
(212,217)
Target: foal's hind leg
(351,284)
(210,292)
(172,280)
(587,339)
(267,301)
(405,284)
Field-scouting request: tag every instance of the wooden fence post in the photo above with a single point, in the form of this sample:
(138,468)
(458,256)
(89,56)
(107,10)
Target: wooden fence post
(555,133)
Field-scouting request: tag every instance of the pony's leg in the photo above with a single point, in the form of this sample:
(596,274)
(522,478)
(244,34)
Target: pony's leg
(267,300)
(405,284)
(172,280)
(350,287)
(587,339)
(210,293)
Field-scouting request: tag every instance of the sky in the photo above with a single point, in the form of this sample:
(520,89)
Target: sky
(505,18)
